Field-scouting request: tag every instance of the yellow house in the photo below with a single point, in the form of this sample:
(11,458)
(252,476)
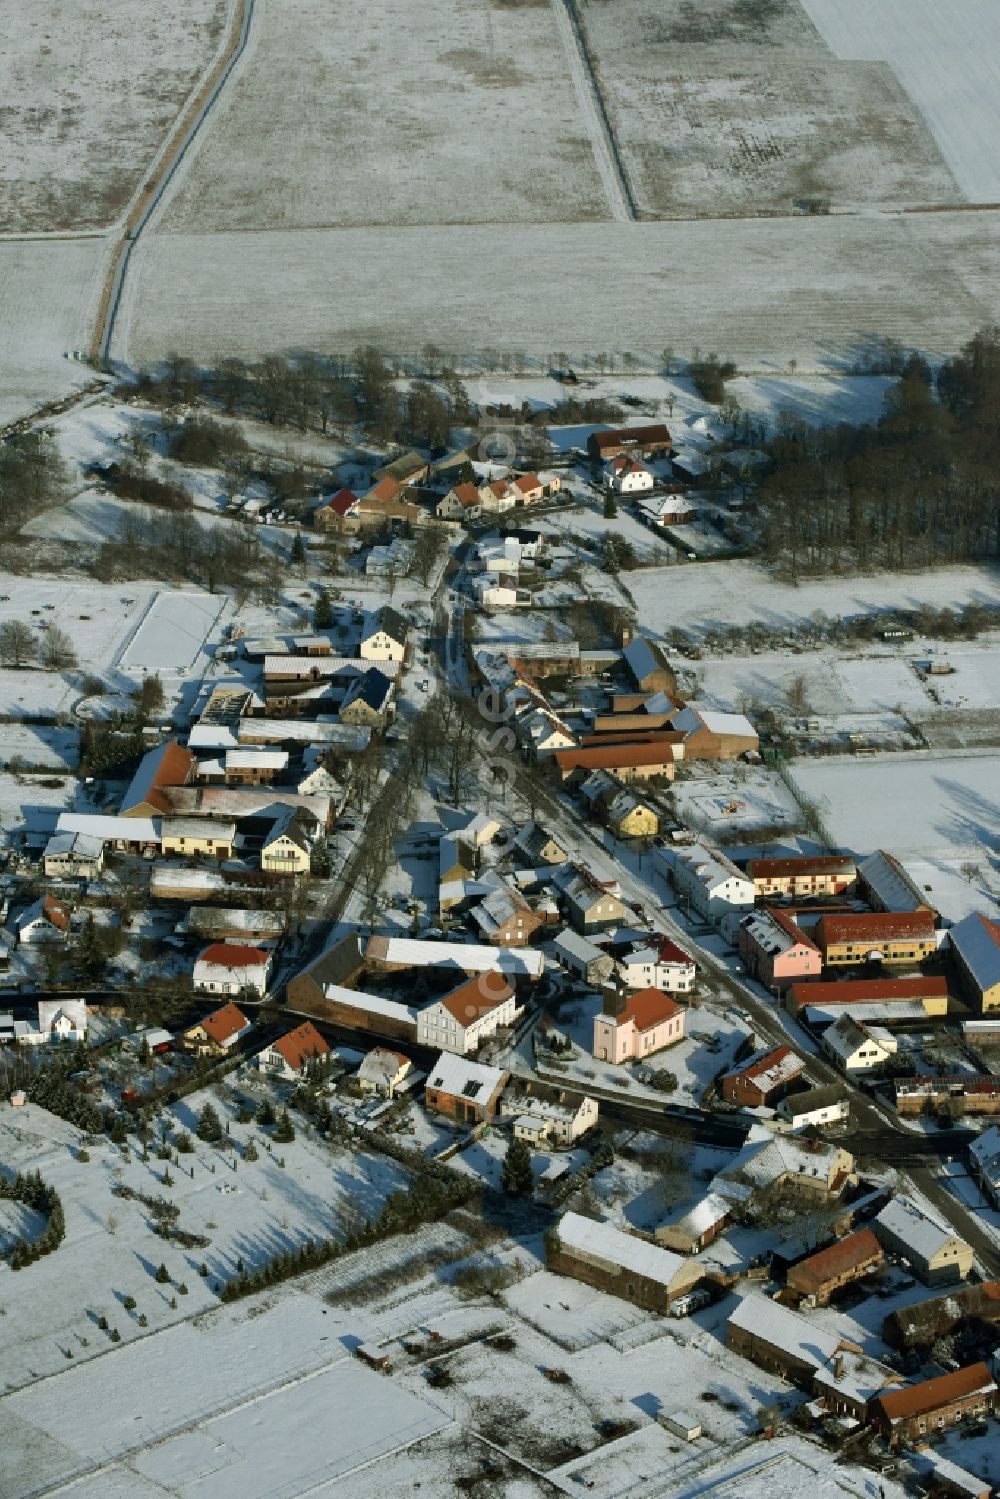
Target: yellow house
(630,818)
(198,837)
(881,936)
(285,854)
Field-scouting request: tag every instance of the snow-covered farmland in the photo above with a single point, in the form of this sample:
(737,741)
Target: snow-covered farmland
(720,109)
(469,117)
(172,633)
(48,291)
(88,98)
(842,282)
(710,594)
(98,618)
(947,58)
(919,806)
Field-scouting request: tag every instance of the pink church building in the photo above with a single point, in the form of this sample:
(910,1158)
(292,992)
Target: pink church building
(633,1026)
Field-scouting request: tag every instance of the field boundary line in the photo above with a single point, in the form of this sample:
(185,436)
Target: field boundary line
(170,157)
(607,158)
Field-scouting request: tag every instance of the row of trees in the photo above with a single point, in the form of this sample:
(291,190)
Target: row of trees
(919,488)
(29,1188)
(175,545)
(20,646)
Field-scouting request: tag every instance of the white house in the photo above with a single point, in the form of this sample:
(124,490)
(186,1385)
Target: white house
(816,1106)
(625,475)
(468,1015)
(73,856)
(856,1047)
(660,964)
(383,635)
(57,1020)
(548,1116)
(461,503)
(45,921)
(543,733)
(708,879)
(289,1055)
(382,1071)
(984,1157)
(230,968)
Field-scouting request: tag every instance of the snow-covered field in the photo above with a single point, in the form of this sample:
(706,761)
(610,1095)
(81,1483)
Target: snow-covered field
(842,283)
(719,109)
(172,633)
(48,291)
(709,594)
(97,617)
(469,110)
(947,58)
(56,748)
(87,100)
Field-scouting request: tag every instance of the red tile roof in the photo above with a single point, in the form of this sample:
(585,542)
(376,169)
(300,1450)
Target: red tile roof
(803,864)
(649,1008)
(300,1045)
(668,952)
(54,911)
(224,1023)
(233,955)
(934,1394)
(615,756)
(828,1264)
(342,502)
(870,991)
(875,927)
(385,489)
(773,1069)
(476,996)
(467,495)
(527,482)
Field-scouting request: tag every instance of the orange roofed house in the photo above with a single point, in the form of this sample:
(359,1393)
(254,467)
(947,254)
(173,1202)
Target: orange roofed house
(289,1055)
(762,1080)
(468,1014)
(218,1032)
(232,968)
(169,764)
(636,1025)
(913,1414)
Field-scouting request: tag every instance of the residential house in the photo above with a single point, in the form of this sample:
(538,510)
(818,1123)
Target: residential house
(870,996)
(547,1115)
(368,701)
(668,509)
(819,1275)
(775,950)
(73,856)
(231,968)
(530,488)
(975,944)
(602,1256)
(592,905)
(169,764)
(462,503)
(633,1026)
(814,1106)
(386,504)
(383,1072)
(984,1161)
(707,878)
(803,875)
(47,920)
(876,937)
(505,918)
(637,760)
(786,1343)
(658,964)
(383,635)
(932,1249)
(714,736)
(763,1079)
(497,496)
(288,1057)
(628,816)
(696,1227)
(338,512)
(811,1167)
(287,847)
(856,1047)
(887,887)
(62,1019)
(583,958)
(625,475)
(468,1014)
(408,468)
(537,846)
(543,733)
(457,863)
(247,767)
(652,441)
(198,837)
(466,1091)
(912,1415)
(130,835)
(647,666)
(218,1032)
(481,829)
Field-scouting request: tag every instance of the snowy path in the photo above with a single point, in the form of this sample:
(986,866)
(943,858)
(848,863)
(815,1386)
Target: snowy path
(593,112)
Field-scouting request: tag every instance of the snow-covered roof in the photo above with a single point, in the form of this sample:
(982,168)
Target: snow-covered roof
(888,881)
(977,941)
(353,738)
(199,828)
(73,1010)
(786,1330)
(82,845)
(985,1151)
(866,1014)
(372,1003)
(610,1246)
(464,1079)
(110,829)
(914,1228)
(576,946)
(785,1156)
(846,1035)
(704,1215)
(256,759)
(710,865)
(413,952)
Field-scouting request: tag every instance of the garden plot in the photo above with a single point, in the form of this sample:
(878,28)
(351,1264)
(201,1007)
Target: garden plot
(927,807)
(584,521)
(110,1251)
(88,102)
(843,283)
(948,61)
(31,804)
(48,290)
(715,114)
(56,749)
(172,634)
(468,111)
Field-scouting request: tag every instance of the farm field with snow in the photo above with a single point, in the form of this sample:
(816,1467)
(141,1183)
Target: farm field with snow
(492,134)
(48,290)
(87,101)
(715,112)
(843,282)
